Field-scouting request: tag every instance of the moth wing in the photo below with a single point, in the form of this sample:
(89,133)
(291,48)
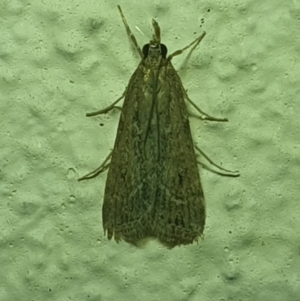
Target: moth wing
(179,209)
(129,186)
(153,186)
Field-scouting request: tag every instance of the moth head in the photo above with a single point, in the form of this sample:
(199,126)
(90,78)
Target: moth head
(155,50)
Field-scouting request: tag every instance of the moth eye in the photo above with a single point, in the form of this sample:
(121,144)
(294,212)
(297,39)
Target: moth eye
(145,50)
(164,50)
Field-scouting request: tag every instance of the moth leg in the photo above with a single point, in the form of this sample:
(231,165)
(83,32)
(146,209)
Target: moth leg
(232,173)
(207,117)
(98,170)
(107,109)
(195,43)
(218,172)
(129,33)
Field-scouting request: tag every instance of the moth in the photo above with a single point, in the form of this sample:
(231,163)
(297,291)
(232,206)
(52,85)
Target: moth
(153,188)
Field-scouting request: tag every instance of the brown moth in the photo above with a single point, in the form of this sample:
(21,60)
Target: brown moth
(153,188)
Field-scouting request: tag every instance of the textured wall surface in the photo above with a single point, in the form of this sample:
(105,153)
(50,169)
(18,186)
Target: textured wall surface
(59,60)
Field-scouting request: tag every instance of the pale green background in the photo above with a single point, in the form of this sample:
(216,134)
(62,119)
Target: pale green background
(61,59)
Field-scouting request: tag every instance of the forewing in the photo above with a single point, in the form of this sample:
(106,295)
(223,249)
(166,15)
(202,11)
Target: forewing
(179,210)
(131,180)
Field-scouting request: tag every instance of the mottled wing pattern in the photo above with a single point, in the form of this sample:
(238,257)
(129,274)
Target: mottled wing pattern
(130,186)
(154,164)
(179,212)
